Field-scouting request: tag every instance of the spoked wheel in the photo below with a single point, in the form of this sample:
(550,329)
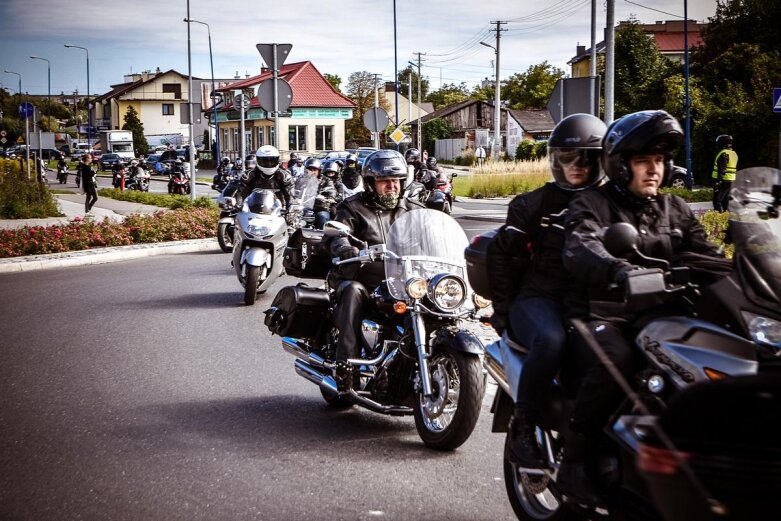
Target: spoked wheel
(445,419)
(224,237)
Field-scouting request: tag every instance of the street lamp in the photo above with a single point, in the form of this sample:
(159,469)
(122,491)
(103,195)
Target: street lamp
(49,73)
(26,123)
(213,96)
(20,85)
(89,108)
(497,105)
(190,104)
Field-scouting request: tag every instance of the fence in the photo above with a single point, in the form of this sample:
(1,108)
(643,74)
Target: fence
(449,149)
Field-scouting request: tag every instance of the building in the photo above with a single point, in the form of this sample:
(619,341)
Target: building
(314,122)
(668,35)
(528,124)
(160,99)
(472,123)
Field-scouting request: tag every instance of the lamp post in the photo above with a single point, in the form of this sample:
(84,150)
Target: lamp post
(26,123)
(213,96)
(89,108)
(20,85)
(497,104)
(190,125)
(49,96)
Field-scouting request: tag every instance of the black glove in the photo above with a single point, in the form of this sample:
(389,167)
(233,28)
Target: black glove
(348,252)
(499,322)
(622,272)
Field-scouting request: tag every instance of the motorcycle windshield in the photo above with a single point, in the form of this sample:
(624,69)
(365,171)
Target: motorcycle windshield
(262,202)
(423,243)
(306,190)
(755,229)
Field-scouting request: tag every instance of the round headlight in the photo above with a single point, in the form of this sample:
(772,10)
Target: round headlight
(448,292)
(416,288)
(480,302)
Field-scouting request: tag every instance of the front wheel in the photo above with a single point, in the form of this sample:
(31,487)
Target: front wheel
(251,285)
(445,420)
(224,237)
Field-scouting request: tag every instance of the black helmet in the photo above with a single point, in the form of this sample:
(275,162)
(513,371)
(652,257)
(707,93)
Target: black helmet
(431,163)
(383,164)
(412,155)
(644,132)
(351,158)
(724,140)
(313,162)
(576,139)
(250,162)
(331,168)
(225,160)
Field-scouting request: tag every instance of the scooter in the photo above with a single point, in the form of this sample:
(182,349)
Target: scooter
(259,241)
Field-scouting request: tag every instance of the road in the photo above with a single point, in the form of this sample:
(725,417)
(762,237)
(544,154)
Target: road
(145,389)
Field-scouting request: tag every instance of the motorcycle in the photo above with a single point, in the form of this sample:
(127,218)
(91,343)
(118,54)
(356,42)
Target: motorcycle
(301,213)
(62,174)
(666,455)
(222,179)
(228,210)
(259,240)
(416,358)
(139,181)
(180,183)
(432,190)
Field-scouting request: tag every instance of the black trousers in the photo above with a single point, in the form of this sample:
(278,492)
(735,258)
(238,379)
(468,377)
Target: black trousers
(92,197)
(353,298)
(599,395)
(721,196)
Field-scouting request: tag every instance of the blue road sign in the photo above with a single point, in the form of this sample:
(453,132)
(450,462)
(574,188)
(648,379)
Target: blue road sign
(777,99)
(26,109)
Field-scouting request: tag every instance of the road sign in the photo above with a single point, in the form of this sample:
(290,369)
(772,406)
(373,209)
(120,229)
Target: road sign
(376,119)
(3,133)
(241,99)
(777,99)
(3,140)
(573,96)
(397,136)
(26,109)
(266,95)
(266,51)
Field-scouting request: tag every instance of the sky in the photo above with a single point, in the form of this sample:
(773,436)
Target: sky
(338,36)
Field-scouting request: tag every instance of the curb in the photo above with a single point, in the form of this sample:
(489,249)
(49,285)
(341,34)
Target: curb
(104,255)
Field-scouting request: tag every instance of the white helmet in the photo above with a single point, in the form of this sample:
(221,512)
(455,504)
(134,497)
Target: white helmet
(133,163)
(267,158)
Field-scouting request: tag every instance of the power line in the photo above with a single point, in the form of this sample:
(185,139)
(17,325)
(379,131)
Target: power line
(652,9)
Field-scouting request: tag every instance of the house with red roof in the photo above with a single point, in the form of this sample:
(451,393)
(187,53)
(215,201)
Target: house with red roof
(314,122)
(669,37)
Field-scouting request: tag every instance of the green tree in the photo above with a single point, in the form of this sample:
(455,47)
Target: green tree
(531,89)
(448,94)
(132,122)
(481,93)
(403,79)
(333,79)
(360,89)
(433,129)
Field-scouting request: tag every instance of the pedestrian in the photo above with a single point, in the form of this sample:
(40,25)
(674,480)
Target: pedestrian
(724,167)
(480,155)
(88,181)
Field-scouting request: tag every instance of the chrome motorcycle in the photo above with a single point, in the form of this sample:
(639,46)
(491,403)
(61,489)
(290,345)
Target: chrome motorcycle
(416,357)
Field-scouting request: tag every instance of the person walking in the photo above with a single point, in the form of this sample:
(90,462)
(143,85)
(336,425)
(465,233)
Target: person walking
(88,181)
(724,167)
(480,155)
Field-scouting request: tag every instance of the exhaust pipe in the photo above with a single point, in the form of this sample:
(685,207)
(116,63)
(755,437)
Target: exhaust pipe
(314,375)
(302,351)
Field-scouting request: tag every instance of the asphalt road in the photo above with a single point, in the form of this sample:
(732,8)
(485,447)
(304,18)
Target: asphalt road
(145,389)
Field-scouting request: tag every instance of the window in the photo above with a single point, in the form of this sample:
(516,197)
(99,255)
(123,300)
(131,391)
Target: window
(297,137)
(259,137)
(168,109)
(173,88)
(324,137)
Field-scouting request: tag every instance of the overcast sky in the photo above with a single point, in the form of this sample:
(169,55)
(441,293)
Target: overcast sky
(338,36)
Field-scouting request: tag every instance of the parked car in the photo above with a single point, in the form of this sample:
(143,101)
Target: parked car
(150,161)
(49,154)
(362,153)
(678,178)
(107,161)
(332,155)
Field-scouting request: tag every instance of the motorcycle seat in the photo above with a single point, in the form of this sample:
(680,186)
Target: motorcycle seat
(513,343)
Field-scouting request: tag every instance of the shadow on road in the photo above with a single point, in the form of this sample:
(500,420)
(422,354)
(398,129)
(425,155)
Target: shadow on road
(199,300)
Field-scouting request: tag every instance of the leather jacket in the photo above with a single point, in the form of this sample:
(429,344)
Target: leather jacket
(667,230)
(280,180)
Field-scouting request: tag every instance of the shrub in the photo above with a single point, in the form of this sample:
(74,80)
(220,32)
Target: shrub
(690,196)
(22,198)
(162,200)
(540,149)
(468,157)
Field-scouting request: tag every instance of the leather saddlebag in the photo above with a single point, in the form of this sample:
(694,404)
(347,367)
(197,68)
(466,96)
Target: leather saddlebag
(298,311)
(305,255)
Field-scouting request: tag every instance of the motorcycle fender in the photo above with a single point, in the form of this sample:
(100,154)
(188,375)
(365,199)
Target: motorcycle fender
(502,409)
(226,220)
(459,340)
(256,257)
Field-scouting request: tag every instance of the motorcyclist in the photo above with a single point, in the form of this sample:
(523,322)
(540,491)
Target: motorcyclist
(351,177)
(527,277)
(326,192)
(412,157)
(637,154)
(62,168)
(222,171)
(135,169)
(177,170)
(368,215)
(117,171)
(268,173)
(250,162)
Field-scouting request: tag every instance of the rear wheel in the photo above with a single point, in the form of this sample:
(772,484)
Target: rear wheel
(532,496)
(251,285)
(445,420)
(678,182)
(224,238)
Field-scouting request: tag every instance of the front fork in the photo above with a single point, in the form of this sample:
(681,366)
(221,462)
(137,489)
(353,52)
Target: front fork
(419,330)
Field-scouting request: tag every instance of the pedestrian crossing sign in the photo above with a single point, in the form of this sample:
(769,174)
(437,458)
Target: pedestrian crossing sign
(777,99)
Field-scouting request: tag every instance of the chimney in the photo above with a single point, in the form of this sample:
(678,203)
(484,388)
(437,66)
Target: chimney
(237,77)
(580,49)
(263,69)
(246,74)
(157,71)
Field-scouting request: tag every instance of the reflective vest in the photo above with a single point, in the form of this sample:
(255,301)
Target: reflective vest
(732,165)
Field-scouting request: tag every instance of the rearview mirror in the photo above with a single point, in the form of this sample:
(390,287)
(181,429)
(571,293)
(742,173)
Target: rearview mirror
(335,229)
(620,239)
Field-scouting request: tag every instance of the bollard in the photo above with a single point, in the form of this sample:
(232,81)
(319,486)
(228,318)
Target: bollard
(122,181)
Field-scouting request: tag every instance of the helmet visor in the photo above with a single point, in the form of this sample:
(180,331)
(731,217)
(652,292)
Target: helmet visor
(582,157)
(268,162)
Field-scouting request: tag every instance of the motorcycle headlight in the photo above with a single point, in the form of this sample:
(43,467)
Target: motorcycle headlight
(416,288)
(763,330)
(447,291)
(258,230)
(480,302)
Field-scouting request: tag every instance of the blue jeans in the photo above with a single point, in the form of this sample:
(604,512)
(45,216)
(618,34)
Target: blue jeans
(537,323)
(321,218)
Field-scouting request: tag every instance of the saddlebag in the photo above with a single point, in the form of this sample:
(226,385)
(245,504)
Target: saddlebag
(298,311)
(476,271)
(305,256)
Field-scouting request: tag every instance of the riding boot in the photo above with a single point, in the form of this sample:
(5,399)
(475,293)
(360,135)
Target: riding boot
(575,479)
(522,448)
(344,375)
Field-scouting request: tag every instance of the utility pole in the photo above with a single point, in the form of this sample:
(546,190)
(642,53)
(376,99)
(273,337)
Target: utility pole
(498,95)
(610,62)
(420,130)
(376,104)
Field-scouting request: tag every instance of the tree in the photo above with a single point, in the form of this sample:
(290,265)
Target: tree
(433,129)
(404,84)
(360,89)
(481,93)
(134,124)
(333,79)
(448,94)
(533,88)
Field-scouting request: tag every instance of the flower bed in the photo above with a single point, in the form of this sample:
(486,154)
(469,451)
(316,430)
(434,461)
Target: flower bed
(82,234)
